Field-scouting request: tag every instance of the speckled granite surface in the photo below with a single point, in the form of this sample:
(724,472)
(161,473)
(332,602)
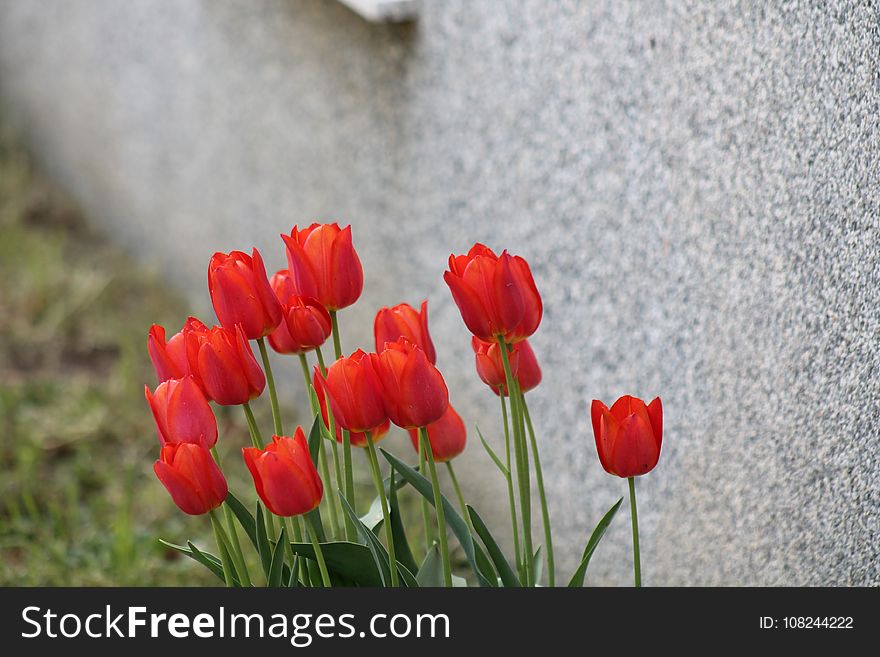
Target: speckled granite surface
(696,185)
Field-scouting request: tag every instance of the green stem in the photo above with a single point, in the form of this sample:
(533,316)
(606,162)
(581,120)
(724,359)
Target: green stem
(461,502)
(637,563)
(319,553)
(256,440)
(237,555)
(322,457)
(321,364)
(522,463)
(222,548)
(510,494)
(270,381)
(337,343)
(539,477)
(426,515)
(350,530)
(438,507)
(293,531)
(386,515)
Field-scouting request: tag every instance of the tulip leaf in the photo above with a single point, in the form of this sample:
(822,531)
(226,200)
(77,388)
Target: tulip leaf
(577,580)
(209,561)
(401,546)
(505,572)
(315,518)
(208,558)
(431,571)
(245,519)
(275,571)
(263,547)
(537,566)
(380,556)
(351,564)
(493,455)
(315,438)
(476,557)
(373,517)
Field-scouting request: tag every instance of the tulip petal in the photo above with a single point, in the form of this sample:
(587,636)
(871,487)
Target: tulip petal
(188,415)
(655,413)
(634,451)
(473,310)
(507,297)
(345,273)
(427,344)
(301,270)
(180,488)
(265,294)
(423,393)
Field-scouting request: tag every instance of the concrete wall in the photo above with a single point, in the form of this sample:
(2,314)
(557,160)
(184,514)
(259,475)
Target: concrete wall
(695,185)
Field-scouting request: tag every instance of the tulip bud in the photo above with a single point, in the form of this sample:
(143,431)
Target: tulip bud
(404,321)
(629,436)
(169,358)
(222,360)
(447,436)
(191,477)
(241,293)
(490,366)
(285,476)
(356,438)
(355,393)
(182,413)
(324,264)
(414,391)
(496,295)
(306,323)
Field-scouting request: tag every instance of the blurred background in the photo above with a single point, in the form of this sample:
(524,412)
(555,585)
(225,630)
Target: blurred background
(694,184)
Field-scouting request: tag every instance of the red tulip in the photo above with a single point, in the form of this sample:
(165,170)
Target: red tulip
(404,321)
(414,392)
(324,264)
(447,436)
(357,439)
(490,367)
(495,294)
(241,294)
(169,358)
(284,475)
(182,413)
(222,360)
(306,323)
(355,393)
(192,477)
(629,436)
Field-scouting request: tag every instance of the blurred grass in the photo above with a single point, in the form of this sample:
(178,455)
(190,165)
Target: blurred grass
(78,501)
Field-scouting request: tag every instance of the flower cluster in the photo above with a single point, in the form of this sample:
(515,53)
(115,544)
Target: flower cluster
(354,399)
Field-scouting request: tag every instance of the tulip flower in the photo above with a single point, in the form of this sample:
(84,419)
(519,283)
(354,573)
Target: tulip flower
(404,321)
(496,295)
(284,475)
(628,440)
(305,325)
(169,358)
(222,360)
(447,436)
(182,413)
(414,391)
(358,439)
(191,477)
(628,436)
(523,365)
(324,264)
(355,393)
(241,293)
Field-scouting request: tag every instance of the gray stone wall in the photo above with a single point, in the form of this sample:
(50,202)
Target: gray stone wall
(695,185)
